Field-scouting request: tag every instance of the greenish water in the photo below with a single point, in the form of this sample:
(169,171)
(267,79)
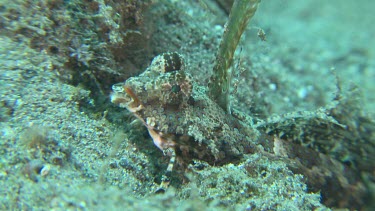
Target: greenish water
(300,136)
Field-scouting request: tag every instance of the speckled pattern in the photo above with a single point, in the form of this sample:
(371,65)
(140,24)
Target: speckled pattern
(170,103)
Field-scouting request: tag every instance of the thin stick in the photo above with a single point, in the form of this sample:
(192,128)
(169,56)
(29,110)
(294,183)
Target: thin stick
(241,12)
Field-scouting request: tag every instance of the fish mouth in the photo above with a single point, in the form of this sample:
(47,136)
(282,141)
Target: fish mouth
(124,96)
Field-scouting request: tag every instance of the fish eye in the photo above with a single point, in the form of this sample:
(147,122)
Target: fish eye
(176,88)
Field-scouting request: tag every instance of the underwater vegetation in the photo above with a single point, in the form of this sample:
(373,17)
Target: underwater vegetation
(239,17)
(193,123)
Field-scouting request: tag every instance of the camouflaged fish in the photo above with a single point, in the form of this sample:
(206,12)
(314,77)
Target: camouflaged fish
(182,121)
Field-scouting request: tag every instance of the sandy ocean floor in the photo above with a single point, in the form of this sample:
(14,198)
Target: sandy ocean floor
(64,148)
